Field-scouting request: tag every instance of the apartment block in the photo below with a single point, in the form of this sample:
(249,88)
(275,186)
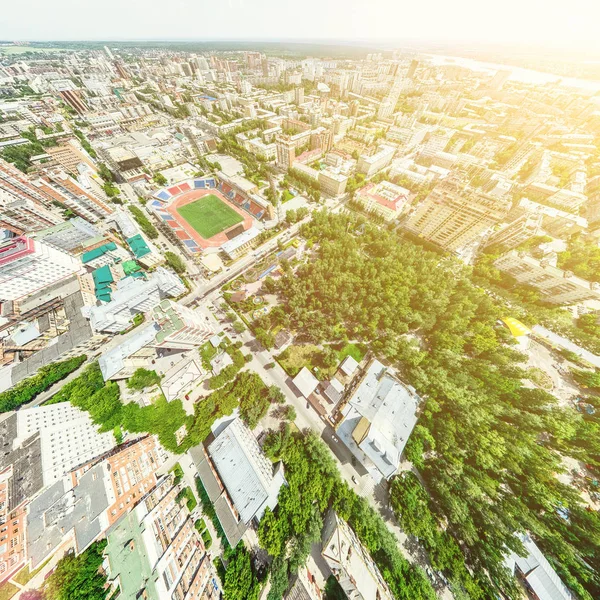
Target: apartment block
(454,216)
(370,165)
(155,552)
(350,562)
(180,327)
(23,207)
(556,286)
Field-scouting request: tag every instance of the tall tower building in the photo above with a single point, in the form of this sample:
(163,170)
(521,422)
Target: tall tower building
(28,266)
(286,152)
(452,216)
(412,69)
(499,79)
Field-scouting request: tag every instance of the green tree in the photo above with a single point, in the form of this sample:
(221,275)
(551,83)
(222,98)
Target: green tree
(143,378)
(78,577)
(240,581)
(175,262)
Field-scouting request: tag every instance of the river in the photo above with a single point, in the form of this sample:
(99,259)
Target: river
(517,73)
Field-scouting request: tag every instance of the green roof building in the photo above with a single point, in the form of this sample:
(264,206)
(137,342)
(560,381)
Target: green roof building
(130,267)
(102,280)
(86,257)
(138,246)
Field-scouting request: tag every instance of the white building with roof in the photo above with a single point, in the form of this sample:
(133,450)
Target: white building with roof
(28,266)
(305,382)
(239,479)
(378,420)
(349,366)
(537,573)
(241,243)
(248,475)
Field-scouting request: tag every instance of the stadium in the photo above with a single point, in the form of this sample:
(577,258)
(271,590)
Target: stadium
(207,212)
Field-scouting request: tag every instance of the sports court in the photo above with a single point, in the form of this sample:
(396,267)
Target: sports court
(218,228)
(209,215)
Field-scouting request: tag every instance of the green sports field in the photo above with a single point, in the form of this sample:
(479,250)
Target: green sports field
(209,215)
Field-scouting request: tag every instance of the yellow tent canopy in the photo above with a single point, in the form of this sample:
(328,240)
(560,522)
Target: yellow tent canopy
(516,327)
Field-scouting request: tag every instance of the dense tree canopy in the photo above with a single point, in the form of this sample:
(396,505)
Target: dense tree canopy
(488,448)
(143,378)
(102,400)
(581,258)
(29,388)
(78,577)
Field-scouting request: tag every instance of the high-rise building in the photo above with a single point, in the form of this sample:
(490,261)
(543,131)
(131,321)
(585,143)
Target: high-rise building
(518,231)
(412,69)
(59,186)
(499,79)
(23,207)
(453,216)
(87,501)
(180,327)
(155,552)
(20,479)
(369,165)
(28,266)
(68,436)
(286,152)
(73,99)
(350,562)
(386,109)
(132,471)
(69,155)
(557,286)
(299,95)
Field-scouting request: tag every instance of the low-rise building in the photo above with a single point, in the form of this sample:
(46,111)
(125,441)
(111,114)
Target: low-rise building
(306,383)
(384,199)
(134,296)
(240,244)
(536,573)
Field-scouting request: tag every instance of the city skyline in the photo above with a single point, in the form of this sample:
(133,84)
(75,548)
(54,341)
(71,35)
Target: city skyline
(531,23)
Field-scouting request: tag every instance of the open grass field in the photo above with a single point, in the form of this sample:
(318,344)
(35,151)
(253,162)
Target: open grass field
(209,216)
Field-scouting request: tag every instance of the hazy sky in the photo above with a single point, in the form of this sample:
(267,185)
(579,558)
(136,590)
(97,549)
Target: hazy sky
(555,22)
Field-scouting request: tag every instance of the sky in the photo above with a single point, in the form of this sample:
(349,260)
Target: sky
(556,23)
